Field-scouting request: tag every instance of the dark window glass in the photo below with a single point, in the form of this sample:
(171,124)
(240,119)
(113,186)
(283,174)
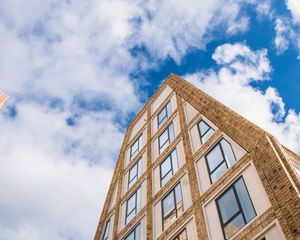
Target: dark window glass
(106,231)
(172,206)
(166,137)
(164,114)
(181,236)
(133,205)
(135,234)
(235,208)
(168,168)
(134,173)
(219,159)
(136,147)
(205,131)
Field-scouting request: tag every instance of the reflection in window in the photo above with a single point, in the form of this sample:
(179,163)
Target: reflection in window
(134,173)
(235,208)
(172,206)
(135,234)
(219,159)
(181,236)
(136,147)
(166,137)
(133,205)
(205,131)
(106,231)
(164,114)
(168,168)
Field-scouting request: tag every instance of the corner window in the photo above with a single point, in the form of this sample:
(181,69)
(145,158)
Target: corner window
(168,168)
(297,169)
(133,205)
(219,159)
(181,236)
(164,114)
(172,206)
(205,131)
(235,208)
(166,137)
(105,235)
(135,234)
(134,173)
(136,147)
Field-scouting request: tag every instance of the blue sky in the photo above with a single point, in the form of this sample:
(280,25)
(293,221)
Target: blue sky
(77,72)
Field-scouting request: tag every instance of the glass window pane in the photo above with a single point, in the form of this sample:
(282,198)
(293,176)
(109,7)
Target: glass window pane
(228,205)
(168,204)
(171,131)
(162,115)
(138,200)
(174,161)
(133,172)
(130,216)
(245,201)
(166,178)
(106,231)
(229,155)
(131,204)
(297,169)
(169,109)
(165,166)
(138,232)
(214,158)
(203,127)
(178,193)
(207,135)
(163,138)
(218,172)
(232,227)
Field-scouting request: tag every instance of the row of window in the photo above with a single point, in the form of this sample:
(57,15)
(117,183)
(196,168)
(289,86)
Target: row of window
(234,205)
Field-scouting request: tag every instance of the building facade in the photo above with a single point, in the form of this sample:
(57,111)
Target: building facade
(3,99)
(191,168)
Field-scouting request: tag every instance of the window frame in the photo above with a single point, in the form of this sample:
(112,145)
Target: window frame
(136,207)
(136,177)
(223,156)
(165,108)
(138,140)
(180,232)
(240,211)
(209,128)
(170,157)
(169,139)
(175,203)
(107,228)
(134,232)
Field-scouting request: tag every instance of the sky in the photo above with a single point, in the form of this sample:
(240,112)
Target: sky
(77,72)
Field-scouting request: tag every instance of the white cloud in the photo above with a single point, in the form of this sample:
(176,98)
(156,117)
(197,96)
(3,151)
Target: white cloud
(232,87)
(282,36)
(294,7)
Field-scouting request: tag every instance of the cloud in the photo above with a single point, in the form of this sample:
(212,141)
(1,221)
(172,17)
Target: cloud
(232,86)
(294,7)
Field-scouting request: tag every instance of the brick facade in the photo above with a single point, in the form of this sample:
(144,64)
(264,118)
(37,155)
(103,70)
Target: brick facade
(271,160)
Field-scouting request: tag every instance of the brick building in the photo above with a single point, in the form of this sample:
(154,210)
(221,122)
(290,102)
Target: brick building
(191,168)
(3,99)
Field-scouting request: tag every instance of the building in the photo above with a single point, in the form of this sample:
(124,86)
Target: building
(191,168)
(3,99)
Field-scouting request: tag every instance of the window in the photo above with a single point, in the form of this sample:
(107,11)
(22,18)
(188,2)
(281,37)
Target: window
(166,137)
(106,231)
(172,206)
(133,205)
(235,208)
(134,173)
(136,147)
(168,168)
(205,131)
(135,234)
(297,169)
(164,114)
(181,236)
(219,159)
